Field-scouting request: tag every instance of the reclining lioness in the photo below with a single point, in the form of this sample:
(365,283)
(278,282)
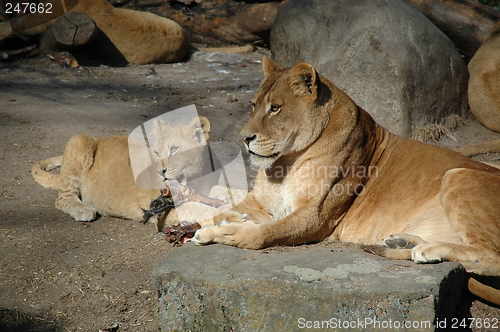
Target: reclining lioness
(96,176)
(327,170)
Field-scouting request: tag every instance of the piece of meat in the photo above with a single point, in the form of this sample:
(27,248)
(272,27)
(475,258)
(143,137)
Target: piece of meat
(180,234)
(182,194)
(176,194)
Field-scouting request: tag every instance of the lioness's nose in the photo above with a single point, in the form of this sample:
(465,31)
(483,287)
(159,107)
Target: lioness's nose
(248,139)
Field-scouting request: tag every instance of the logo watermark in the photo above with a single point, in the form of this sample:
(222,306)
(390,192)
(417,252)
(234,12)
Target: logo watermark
(363,324)
(40,12)
(332,179)
(174,147)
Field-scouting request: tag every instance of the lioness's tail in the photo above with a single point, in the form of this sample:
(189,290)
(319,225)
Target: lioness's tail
(41,175)
(484,291)
(475,149)
(490,293)
(230,49)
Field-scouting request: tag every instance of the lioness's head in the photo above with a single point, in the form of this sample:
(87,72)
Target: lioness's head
(180,148)
(288,113)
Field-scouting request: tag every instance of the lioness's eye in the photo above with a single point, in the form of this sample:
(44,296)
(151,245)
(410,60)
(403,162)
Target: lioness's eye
(274,109)
(157,154)
(173,150)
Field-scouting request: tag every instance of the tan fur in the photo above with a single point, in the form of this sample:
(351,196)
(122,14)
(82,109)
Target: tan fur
(484,82)
(480,148)
(248,48)
(484,91)
(140,37)
(96,176)
(327,170)
(42,176)
(180,148)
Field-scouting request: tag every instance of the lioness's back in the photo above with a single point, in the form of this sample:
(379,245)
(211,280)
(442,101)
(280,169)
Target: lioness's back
(109,182)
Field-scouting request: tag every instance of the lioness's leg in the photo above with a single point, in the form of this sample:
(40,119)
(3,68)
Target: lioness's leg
(78,157)
(248,210)
(471,200)
(302,226)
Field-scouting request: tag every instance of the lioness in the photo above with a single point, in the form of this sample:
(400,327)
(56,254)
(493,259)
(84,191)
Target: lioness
(139,37)
(484,90)
(327,170)
(96,176)
(484,81)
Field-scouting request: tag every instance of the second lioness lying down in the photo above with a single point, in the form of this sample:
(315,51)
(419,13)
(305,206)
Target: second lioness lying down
(96,177)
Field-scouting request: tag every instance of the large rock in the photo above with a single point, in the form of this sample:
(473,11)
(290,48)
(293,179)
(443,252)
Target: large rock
(385,54)
(222,288)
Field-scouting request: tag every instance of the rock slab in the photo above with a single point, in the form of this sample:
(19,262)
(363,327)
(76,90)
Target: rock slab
(222,288)
(385,54)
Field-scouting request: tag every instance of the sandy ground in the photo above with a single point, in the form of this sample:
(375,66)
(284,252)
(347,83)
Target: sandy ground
(60,275)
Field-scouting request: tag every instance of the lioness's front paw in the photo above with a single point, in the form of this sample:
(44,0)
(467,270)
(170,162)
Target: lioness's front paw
(76,209)
(221,232)
(244,235)
(427,253)
(203,236)
(83,213)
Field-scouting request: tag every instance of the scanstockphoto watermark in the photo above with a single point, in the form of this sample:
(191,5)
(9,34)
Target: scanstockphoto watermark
(330,171)
(362,323)
(339,180)
(172,149)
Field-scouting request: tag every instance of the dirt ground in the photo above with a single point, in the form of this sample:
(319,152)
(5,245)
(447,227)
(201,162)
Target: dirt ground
(60,275)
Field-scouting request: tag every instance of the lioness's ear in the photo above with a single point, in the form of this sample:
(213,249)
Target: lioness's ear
(303,80)
(159,127)
(201,125)
(269,67)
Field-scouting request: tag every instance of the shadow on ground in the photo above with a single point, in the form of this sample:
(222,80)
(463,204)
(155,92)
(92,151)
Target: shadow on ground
(14,320)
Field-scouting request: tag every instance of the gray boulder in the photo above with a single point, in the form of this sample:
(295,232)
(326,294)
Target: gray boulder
(222,288)
(385,54)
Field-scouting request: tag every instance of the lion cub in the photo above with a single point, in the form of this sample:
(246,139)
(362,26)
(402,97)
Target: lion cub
(96,175)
